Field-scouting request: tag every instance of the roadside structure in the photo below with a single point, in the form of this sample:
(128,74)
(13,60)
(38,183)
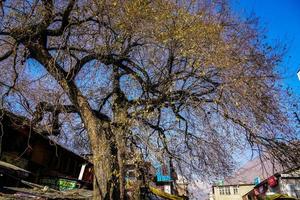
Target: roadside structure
(167,180)
(231,192)
(29,154)
(284,183)
(243,180)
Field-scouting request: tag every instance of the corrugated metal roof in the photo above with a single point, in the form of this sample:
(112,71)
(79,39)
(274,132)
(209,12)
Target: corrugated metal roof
(12,167)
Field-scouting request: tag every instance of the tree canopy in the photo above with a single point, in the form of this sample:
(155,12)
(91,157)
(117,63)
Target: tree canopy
(186,80)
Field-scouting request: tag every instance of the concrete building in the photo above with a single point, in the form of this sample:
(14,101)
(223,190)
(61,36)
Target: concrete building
(231,192)
(244,180)
(287,182)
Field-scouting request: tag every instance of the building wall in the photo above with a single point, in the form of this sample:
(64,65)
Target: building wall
(228,193)
(288,183)
(39,154)
(290,186)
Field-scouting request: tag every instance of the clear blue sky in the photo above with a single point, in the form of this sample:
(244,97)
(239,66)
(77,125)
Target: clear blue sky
(282,20)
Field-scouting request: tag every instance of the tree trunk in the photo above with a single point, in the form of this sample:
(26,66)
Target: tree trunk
(120,130)
(106,184)
(104,150)
(103,142)
(120,140)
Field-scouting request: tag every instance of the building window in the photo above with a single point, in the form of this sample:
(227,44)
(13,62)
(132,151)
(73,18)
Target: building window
(235,189)
(227,190)
(221,190)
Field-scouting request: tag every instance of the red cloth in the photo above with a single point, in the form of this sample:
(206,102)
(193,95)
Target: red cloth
(256,192)
(272,181)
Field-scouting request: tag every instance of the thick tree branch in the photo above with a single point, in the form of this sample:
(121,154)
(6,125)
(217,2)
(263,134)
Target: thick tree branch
(64,21)
(6,55)
(105,59)
(44,107)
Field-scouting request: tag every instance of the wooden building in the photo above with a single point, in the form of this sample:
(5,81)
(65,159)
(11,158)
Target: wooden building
(29,154)
(37,158)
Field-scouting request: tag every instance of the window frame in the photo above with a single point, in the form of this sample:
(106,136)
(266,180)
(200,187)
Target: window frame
(221,190)
(236,190)
(227,190)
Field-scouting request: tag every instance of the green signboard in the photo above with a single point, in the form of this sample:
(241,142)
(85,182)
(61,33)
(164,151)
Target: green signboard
(59,183)
(65,184)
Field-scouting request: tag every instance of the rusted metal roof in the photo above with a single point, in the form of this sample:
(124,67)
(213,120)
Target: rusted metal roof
(12,167)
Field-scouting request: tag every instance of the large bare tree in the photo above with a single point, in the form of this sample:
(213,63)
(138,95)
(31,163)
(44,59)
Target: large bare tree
(186,80)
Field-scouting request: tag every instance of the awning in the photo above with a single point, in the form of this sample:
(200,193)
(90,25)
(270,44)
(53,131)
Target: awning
(165,195)
(12,167)
(279,197)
